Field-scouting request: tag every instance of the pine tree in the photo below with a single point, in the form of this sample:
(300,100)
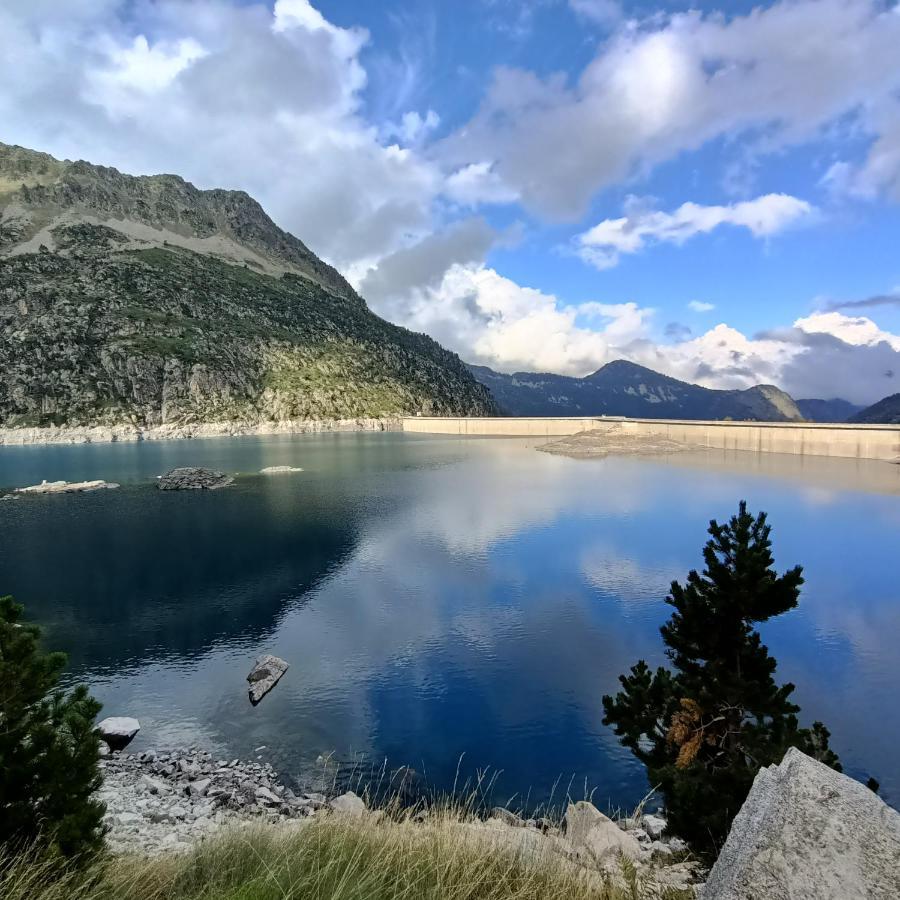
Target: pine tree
(49,748)
(704,729)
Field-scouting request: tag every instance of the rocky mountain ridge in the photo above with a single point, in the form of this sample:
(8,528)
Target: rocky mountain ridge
(885,412)
(622,388)
(145,301)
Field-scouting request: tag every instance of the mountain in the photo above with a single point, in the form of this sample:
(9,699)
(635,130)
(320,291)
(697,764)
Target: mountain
(884,412)
(622,388)
(144,299)
(835,410)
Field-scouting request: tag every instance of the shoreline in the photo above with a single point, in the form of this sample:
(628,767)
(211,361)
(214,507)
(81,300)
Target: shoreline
(129,433)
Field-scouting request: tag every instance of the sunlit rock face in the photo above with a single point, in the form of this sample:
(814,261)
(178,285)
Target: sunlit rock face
(144,300)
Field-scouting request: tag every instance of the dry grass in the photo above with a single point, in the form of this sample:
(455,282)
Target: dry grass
(334,858)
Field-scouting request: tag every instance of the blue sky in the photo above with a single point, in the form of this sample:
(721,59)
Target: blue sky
(704,188)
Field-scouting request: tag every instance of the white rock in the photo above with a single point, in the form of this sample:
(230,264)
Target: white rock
(588,829)
(348,804)
(118,731)
(806,832)
(654,826)
(279,470)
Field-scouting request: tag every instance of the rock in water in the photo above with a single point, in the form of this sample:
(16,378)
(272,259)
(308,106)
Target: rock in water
(806,832)
(193,479)
(118,731)
(67,487)
(264,676)
(279,470)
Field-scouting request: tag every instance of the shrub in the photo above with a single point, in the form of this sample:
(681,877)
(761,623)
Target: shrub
(704,730)
(48,747)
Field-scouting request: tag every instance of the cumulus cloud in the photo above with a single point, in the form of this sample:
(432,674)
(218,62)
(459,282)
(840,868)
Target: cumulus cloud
(603,244)
(700,306)
(822,355)
(492,320)
(245,96)
(776,75)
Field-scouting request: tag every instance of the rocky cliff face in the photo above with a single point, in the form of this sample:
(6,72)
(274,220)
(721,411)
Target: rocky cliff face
(622,388)
(145,300)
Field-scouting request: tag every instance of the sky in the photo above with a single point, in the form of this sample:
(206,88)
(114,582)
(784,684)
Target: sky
(711,190)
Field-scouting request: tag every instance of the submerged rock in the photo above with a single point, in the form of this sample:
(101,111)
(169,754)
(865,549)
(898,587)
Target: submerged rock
(118,731)
(279,470)
(806,832)
(264,675)
(190,478)
(66,487)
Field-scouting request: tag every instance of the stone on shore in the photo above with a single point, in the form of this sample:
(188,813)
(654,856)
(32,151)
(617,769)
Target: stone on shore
(118,731)
(279,470)
(806,832)
(67,487)
(265,674)
(190,478)
(589,830)
(348,804)
(654,826)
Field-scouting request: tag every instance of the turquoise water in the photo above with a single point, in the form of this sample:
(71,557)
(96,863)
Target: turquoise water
(455,605)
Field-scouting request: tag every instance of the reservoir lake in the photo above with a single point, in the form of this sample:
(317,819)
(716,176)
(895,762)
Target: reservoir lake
(457,605)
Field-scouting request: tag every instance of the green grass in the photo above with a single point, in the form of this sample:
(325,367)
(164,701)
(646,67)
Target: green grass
(336,858)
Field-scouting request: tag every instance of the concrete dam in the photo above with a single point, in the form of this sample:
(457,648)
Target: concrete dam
(878,442)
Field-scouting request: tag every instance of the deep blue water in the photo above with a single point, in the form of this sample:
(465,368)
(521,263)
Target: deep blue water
(448,604)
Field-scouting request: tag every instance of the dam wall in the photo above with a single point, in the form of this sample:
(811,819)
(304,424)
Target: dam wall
(880,442)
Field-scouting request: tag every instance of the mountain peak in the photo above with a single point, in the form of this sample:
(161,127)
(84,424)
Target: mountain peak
(149,211)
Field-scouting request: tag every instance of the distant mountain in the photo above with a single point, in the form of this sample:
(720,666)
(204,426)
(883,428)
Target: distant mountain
(622,388)
(835,410)
(146,300)
(884,412)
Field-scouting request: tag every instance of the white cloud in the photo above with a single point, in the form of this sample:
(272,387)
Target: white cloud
(491,320)
(603,12)
(765,216)
(701,306)
(227,95)
(775,76)
(823,355)
(478,183)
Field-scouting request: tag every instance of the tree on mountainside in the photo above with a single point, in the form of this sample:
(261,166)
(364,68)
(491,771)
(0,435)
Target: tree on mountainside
(706,727)
(49,747)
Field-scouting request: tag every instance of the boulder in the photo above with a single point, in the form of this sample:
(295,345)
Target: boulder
(348,805)
(654,826)
(589,830)
(193,479)
(264,675)
(806,832)
(118,731)
(507,817)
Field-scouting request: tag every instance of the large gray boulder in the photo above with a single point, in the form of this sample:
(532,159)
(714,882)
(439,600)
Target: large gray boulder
(118,731)
(264,675)
(189,478)
(806,832)
(588,830)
